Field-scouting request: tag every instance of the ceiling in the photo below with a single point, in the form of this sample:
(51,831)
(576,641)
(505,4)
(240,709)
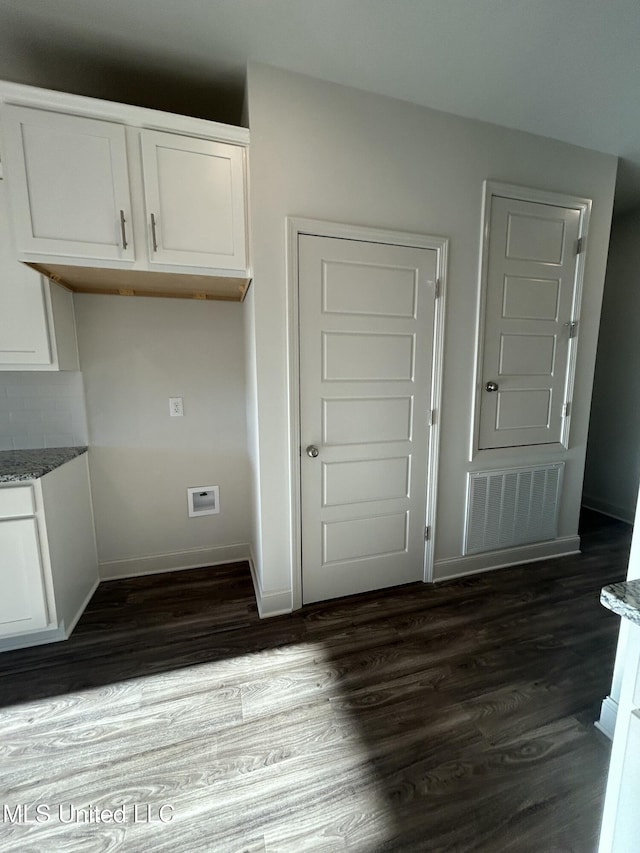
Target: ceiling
(568,69)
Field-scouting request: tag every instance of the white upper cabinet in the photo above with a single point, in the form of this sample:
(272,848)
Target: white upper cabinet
(69,185)
(194,195)
(107,197)
(37,328)
(24,331)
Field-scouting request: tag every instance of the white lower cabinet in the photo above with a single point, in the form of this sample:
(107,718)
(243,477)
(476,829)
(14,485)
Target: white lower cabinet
(48,558)
(626,835)
(23,605)
(620,831)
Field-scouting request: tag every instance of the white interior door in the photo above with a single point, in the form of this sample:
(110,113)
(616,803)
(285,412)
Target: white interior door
(531,282)
(366,353)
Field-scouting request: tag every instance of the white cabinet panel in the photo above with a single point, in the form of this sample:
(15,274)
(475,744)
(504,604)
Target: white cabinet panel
(69,184)
(37,327)
(194,194)
(16,501)
(627,826)
(23,604)
(24,331)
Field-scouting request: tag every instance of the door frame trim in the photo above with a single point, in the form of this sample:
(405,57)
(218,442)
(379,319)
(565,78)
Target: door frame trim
(492,188)
(296,226)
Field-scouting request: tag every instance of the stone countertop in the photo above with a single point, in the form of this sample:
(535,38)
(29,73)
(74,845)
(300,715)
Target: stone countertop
(18,465)
(623,598)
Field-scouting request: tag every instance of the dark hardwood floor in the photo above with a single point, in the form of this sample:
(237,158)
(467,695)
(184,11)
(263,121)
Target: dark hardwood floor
(457,717)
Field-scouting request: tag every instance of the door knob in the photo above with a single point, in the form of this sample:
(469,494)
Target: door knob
(491,386)
(312,451)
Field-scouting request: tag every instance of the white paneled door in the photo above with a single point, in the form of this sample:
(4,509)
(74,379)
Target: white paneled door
(531,285)
(366,355)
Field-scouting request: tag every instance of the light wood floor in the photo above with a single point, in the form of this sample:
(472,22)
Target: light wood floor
(456,717)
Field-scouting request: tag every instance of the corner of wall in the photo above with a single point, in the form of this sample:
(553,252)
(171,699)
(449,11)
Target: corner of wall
(277,603)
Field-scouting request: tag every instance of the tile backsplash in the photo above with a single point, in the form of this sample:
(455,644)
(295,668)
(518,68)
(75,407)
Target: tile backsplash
(41,409)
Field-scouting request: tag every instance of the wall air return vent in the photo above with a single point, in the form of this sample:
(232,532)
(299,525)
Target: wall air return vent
(515,506)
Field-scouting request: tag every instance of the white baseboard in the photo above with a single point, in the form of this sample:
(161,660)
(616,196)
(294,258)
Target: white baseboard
(620,513)
(157,563)
(608,716)
(269,604)
(458,567)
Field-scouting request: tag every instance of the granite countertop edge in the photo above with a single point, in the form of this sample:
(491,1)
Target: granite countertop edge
(18,466)
(623,598)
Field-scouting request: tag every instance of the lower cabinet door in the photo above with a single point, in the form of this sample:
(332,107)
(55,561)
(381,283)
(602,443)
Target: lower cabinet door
(23,603)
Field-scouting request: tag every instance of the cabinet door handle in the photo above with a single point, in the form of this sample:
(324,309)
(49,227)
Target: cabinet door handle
(123,230)
(154,236)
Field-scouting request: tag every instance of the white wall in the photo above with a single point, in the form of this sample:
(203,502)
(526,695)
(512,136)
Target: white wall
(135,354)
(255,529)
(329,152)
(612,471)
(41,409)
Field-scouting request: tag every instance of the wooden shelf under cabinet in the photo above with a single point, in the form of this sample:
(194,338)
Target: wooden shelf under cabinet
(121,282)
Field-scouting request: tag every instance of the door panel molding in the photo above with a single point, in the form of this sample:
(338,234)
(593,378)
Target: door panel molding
(296,226)
(491,190)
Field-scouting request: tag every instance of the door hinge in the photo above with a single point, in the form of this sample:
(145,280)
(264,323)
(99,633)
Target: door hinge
(432,417)
(573,328)
(427,534)
(436,289)
(566,410)
(580,245)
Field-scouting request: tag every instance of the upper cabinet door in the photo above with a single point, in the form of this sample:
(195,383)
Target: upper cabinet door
(194,194)
(69,185)
(24,332)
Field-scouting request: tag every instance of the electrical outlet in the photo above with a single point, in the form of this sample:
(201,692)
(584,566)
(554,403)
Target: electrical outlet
(176,409)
